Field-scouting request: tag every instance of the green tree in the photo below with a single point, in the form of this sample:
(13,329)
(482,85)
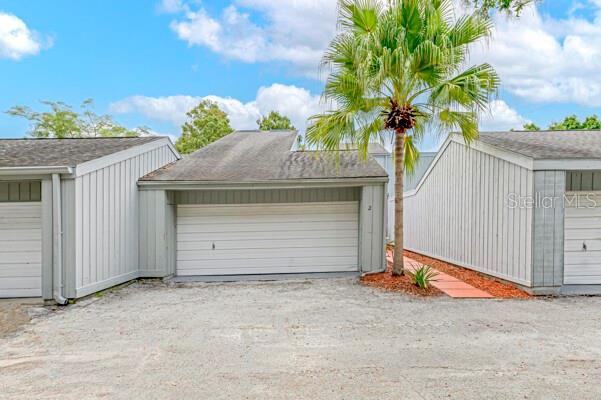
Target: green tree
(206,124)
(531,126)
(61,121)
(400,67)
(275,121)
(513,7)
(572,122)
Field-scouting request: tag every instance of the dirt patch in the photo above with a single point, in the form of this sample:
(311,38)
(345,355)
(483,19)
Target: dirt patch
(404,284)
(13,315)
(494,286)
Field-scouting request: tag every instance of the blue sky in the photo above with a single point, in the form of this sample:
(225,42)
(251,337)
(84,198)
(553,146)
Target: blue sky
(146,62)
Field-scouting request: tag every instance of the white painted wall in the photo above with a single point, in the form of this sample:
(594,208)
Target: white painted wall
(460,213)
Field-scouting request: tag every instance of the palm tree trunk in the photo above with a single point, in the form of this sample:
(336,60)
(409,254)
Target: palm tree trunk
(399,170)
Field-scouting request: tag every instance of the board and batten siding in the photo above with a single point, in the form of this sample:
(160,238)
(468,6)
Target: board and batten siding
(101,219)
(462,213)
(548,228)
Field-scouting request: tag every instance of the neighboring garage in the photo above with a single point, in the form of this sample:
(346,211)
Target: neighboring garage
(522,206)
(69,213)
(250,204)
(20,239)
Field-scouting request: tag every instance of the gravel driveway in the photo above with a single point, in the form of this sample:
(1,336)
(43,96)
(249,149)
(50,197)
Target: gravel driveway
(319,339)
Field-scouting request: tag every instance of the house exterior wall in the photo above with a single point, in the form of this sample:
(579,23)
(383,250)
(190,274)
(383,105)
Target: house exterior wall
(462,213)
(548,229)
(100,221)
(160,203)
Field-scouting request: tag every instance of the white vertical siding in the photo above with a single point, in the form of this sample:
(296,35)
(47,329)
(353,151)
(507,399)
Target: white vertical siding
(462,214)
(106,221)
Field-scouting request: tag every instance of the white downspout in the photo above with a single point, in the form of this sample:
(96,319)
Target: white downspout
(57,250)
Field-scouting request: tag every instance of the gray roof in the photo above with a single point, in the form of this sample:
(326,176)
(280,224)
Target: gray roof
(62,152)
(373,148)
(544,145)
(252,156)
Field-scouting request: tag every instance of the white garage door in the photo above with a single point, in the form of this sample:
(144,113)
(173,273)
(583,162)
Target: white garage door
(582,261)
(20,250)
(267,238)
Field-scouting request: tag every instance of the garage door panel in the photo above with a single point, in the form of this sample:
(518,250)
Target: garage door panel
(20,245)
(267,238)
(584,258)
(282,253)
(243,236)
(265,209)
(313,268)
(252,243)
(267,227)
(14,235)
(20,250)
(274,219)
(576,245)
(18,270)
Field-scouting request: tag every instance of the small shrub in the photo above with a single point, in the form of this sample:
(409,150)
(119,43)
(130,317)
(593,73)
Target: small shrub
(423,276)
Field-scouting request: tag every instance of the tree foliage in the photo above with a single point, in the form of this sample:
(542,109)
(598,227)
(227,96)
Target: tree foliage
(513,7)
(572,122)
(400,66)
(531,126)
(275,121)
(62,121)
(206,124)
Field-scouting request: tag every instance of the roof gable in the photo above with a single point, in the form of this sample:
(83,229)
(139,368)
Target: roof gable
(15,153)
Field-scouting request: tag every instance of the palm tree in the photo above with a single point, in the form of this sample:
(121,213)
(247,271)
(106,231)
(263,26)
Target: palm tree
(400,67)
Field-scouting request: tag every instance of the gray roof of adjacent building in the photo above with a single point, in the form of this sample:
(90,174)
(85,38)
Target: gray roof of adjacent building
(548,145)
(255,156)
(24,153)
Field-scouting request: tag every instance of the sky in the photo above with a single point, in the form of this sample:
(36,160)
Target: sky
(147,62)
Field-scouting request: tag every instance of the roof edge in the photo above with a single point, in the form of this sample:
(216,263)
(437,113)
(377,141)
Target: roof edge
(42,170)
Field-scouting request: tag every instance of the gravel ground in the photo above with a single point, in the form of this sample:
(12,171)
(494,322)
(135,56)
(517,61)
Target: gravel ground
(317,339)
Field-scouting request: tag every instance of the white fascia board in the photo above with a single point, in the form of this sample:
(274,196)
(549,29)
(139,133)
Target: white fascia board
(567,165)
(35,171)
(102,162)
(508,156)
(290,184)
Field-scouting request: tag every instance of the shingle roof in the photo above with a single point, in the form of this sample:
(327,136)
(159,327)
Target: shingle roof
(248,157)
(62,152)
(543,145)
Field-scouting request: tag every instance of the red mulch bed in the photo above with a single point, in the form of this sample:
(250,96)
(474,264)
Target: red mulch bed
(494,286)
(404,284)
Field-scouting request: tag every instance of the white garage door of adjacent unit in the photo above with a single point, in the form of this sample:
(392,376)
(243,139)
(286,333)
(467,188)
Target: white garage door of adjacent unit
(582,260)
(267,238)
(20,250)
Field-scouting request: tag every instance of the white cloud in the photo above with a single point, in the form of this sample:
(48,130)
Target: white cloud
(501,117)
(543,59)
(17,40)
(296,103)
(295,32)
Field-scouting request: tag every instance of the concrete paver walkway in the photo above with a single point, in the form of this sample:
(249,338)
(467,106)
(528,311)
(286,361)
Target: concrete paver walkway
(446,283)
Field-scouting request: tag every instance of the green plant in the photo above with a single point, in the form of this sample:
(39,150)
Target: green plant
(423,276)
(402,66)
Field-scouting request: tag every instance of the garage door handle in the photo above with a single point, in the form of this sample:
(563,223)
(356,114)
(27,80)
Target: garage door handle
(213,246)
(584,246)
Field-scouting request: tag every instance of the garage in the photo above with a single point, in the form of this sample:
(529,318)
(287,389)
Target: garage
(20,249)
(243,239)
(253,205)
(582,259)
